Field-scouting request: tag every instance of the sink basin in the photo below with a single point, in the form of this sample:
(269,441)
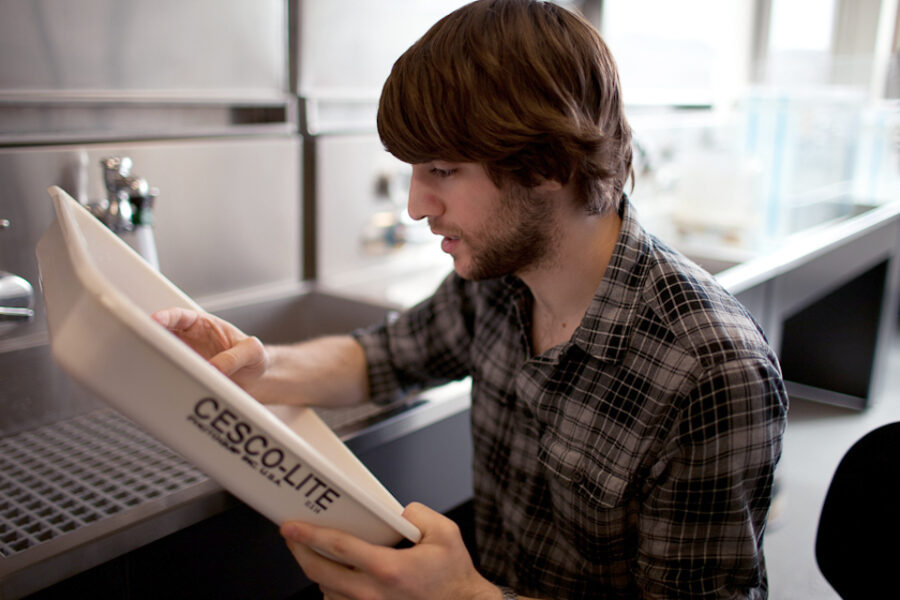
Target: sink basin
(302,316)
(805,216)
(713,265)
(299,317)
(716,257)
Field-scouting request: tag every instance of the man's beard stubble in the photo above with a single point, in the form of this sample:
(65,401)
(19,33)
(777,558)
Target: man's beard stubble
(520,235)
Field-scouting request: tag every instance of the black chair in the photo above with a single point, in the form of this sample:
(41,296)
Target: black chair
(858,542)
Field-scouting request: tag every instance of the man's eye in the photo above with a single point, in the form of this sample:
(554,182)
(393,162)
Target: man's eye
(442,173)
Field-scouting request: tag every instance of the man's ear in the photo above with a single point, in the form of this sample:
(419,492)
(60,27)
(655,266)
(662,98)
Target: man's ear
(549,185)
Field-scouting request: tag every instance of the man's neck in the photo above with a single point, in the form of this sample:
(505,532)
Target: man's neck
(563,286)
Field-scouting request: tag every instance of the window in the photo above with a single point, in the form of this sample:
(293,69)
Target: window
(685,53)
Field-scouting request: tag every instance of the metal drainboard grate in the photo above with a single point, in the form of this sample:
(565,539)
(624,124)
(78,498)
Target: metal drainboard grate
(70,474)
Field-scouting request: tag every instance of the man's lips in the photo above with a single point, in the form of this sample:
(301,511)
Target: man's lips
(451,238)
(449,243)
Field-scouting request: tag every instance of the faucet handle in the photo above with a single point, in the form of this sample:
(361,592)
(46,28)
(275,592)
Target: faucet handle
(142,198)
(16,300)
(129,200)
(117,165)
(115,170)
(9,313)
(16,296)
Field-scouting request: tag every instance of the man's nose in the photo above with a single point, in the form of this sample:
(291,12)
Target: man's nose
(423,202)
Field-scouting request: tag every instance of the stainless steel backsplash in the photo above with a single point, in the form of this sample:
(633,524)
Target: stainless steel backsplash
(148,49)
(227,219)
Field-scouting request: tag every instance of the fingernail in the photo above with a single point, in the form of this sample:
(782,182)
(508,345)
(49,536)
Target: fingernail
(292,531)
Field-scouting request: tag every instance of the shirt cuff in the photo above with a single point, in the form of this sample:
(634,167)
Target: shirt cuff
(384,385)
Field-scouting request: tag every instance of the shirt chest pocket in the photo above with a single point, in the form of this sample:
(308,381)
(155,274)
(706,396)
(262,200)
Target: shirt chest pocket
(591,508)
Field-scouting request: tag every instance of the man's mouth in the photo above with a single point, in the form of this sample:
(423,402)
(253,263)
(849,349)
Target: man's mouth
(449,243)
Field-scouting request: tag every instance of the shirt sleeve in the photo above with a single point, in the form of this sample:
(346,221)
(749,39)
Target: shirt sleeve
(423,347)
(702,520)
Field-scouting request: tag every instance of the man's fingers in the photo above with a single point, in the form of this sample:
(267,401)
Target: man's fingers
(248,353)
(176,319)
(431,523)
(328,557)
(419,514)
(316,566)
(337,545)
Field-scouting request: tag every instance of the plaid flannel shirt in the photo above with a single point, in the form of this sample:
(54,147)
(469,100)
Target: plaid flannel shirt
(635,460)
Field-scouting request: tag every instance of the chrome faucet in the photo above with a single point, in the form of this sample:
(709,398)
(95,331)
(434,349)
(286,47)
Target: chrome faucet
(128,207)
(16,296)
(116,210)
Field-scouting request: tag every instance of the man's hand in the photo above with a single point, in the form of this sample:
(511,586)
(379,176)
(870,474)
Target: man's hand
(227,348)
(437,568)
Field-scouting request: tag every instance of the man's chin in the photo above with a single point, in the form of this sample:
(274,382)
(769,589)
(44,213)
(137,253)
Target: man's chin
(463,272)
(470,273)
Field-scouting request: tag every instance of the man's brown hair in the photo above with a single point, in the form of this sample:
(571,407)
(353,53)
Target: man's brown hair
(525,87)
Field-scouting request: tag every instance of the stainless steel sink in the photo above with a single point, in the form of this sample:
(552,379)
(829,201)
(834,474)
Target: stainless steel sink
(711,264)
(302,316)
(305,316)
(805,216)
(35,392)
(798,218)
(79,475)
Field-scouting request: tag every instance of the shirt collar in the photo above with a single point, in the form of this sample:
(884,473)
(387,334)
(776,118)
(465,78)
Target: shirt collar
(604,331)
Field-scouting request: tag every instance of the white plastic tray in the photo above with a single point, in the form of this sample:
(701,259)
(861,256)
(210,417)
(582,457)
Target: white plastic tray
(99,296)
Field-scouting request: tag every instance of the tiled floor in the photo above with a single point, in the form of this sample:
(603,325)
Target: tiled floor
(816,439)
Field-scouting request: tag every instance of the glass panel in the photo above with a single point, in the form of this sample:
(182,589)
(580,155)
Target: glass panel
(691,52)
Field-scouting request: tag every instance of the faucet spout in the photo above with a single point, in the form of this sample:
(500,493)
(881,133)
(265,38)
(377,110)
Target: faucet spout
(128,207)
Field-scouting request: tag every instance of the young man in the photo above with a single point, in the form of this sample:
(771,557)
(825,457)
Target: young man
(627,412)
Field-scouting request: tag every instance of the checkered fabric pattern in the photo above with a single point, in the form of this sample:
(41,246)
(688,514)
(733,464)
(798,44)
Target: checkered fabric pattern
(635,460)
